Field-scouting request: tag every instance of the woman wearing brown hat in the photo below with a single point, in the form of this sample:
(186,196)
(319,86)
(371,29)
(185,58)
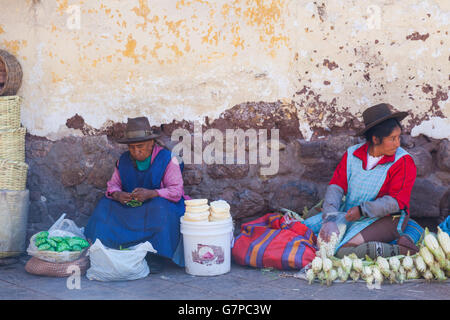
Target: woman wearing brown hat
(376,178)
(151,175)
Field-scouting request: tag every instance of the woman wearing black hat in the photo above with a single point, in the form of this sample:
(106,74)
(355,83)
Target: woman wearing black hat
(151,176)
(376,178)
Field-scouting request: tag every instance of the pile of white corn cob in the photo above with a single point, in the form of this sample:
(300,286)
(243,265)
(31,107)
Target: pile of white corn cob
(329,247)
(431,262)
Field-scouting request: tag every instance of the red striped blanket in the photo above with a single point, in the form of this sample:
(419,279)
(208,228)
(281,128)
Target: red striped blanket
(271,241)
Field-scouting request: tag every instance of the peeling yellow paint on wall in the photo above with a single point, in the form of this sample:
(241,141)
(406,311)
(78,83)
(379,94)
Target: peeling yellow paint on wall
(130,49)
(62,6)
(14,46)
(154,53)
(206,56)
(143,11)
(55,78)
(176,50)
(174,26)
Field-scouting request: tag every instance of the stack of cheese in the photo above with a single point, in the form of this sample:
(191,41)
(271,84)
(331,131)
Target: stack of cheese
(197,210)
(219,210)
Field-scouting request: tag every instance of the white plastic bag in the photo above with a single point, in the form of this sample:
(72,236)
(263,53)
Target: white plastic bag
(61,228)
(117,265)
(65,228)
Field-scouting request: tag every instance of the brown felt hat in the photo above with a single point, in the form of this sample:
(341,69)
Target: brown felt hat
(377,114)
(138,130)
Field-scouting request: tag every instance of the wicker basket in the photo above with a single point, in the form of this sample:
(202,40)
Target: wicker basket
(12,144)
(13,74)
(52,269)
(2,74)
(10,112)
(13,175)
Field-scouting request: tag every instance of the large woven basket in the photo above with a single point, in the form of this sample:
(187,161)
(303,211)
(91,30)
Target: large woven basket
(10,112)
(13,74)
(13,175)
(12,144)
(53,269)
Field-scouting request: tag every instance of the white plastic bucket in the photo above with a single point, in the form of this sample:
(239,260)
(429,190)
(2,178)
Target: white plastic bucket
(207,246)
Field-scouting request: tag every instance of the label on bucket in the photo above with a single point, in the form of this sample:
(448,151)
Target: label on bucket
(208,255)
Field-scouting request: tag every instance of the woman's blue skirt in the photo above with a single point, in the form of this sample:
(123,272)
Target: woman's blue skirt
(156,221)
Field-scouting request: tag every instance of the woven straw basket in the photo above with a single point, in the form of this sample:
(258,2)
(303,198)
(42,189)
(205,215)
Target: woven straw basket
(12,144)
(10,112)
(13,74)
(13,175)
(54,269)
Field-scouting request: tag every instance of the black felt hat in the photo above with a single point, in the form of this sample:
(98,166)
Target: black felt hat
(138,130)
(377,114)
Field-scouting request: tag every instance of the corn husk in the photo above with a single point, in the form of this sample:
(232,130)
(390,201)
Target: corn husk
(347,264)
(316,264)
(383,265)
(377,275)
(447,273)
(437,272)
(428,275)
(407,262)
(426,256)
(366,271)
(342,274)
(332,276)
(310,276)
(420,264)
(392,277)
(412,274)
(401,274)
(444,242)
(357,265)
(329,247)
(394,263)
(354,275)
(369,281)
(353,256)
(336,262)
(326,264)
(433,245)
(322,277)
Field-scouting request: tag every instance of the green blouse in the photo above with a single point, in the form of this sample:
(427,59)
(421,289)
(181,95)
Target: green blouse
(144,165)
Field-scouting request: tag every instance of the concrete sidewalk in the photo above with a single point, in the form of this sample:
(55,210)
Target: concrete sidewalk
(242,283)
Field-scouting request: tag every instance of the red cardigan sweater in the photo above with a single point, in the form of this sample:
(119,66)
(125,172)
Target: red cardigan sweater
(399,179)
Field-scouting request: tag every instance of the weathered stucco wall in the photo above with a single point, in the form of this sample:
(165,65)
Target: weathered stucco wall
(306,68)
(191,59)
